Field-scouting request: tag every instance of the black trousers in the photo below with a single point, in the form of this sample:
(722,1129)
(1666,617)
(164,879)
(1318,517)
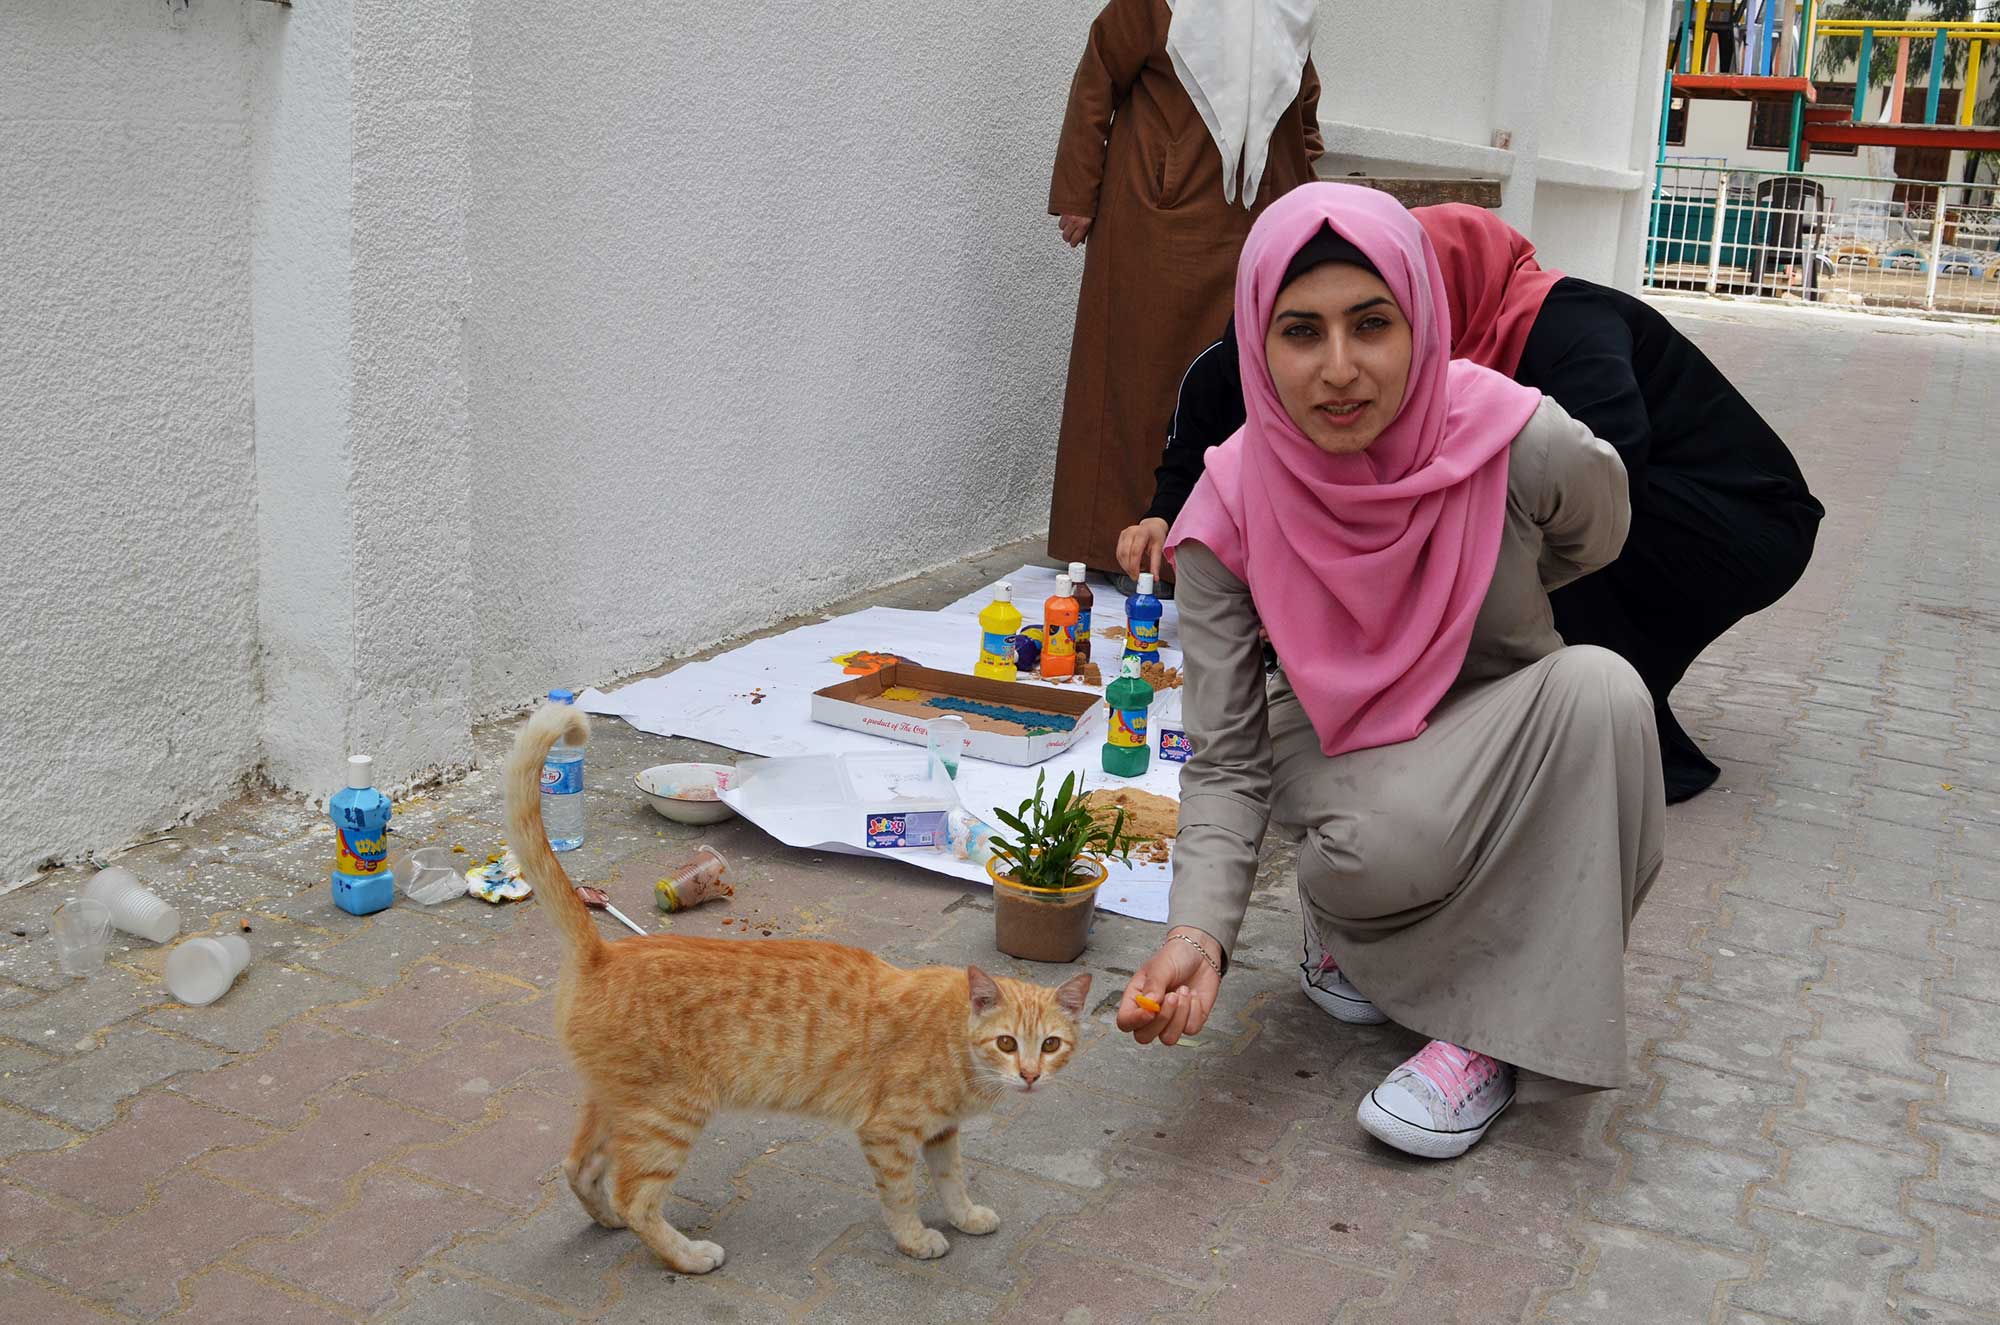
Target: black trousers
(1694,565)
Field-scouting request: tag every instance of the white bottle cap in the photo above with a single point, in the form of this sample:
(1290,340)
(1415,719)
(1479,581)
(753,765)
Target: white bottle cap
(360,771)
(1146,582)
(1003,593)
(1078,572)
(1063,587)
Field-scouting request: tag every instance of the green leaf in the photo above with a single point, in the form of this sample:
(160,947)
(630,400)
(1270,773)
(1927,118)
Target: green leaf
(1055,836)
(1012,821)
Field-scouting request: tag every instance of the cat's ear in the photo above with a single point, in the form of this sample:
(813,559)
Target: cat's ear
(985,994)
(1072,994)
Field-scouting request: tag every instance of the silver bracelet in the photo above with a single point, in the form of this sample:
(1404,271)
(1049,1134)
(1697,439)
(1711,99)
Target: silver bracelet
(1214,965)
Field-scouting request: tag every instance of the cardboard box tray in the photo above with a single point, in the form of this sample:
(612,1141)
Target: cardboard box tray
(844,705)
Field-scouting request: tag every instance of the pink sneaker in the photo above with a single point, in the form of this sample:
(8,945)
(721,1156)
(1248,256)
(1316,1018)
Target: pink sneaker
(1332,992)
(1439,1102)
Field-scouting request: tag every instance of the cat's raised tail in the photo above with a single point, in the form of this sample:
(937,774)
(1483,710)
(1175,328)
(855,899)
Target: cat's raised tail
(530,841)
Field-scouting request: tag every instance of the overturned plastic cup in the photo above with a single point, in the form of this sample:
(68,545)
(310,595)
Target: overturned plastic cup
(82,928)
(133,909)
(200,971)
(694,881)
(429,875)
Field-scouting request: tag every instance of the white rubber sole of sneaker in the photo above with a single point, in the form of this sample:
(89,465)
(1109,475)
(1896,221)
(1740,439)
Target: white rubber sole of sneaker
(1422,1142)
(1355,1012)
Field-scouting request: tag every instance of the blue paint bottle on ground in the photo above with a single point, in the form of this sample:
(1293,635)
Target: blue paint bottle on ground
(362,881)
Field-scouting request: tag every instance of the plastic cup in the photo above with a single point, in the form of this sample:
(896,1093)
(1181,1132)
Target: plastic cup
(82,928)
(947,739)
(429,876)
(133,909)
(200,971)
(694,881)
(706,866)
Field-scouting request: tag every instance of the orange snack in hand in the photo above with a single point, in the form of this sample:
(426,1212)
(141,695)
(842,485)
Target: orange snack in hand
(1145,1003)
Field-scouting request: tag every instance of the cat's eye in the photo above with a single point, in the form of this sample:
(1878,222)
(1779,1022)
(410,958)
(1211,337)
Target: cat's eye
(1006,1044)
(1051,1044)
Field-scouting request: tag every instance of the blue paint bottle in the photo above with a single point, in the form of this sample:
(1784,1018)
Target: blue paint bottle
(362,881)
(1142,623)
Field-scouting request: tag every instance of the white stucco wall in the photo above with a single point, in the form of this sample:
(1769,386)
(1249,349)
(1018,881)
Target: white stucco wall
(362,449)
(411,445)
(1421,67)
(1594,70)
(302,255)
(1551,97)
(128,592)
(765,306)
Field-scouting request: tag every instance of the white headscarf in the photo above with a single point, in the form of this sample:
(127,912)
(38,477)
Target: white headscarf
(1241,62)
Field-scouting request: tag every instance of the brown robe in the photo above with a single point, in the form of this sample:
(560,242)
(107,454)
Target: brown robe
(1159,266)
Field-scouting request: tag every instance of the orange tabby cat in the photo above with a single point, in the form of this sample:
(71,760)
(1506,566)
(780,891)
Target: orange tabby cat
(665,1031)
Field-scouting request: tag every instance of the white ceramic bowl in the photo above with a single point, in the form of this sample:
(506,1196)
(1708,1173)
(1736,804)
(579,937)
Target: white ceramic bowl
(686,793)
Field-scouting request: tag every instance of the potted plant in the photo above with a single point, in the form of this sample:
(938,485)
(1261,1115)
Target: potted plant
(1045,879)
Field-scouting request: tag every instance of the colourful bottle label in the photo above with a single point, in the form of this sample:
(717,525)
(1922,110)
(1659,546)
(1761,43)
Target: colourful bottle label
(925,828)
(360,851)
(1061,641)
(999,622)
(1082,631)
(1142,639)
(562,779)
(1128,727)
(995,651)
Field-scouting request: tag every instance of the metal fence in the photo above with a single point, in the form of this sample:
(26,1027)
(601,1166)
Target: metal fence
(1853,241)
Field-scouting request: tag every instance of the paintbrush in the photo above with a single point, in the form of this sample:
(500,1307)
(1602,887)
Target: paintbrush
(600,900)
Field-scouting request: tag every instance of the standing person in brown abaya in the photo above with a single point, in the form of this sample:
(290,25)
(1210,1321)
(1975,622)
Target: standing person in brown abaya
(1185,121)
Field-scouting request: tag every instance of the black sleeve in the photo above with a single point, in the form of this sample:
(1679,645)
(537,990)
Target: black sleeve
(1580,355)
(1209,410)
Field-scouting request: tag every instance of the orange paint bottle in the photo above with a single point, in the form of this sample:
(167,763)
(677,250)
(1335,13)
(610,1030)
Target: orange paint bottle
(1059,616)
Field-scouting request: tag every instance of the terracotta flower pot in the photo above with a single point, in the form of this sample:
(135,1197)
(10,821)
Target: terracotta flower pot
(1043,924)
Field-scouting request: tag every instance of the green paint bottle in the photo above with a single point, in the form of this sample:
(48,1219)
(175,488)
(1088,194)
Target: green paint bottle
(1126,753)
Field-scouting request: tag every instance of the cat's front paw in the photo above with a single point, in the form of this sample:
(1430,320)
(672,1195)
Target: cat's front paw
(700,1258)
(927,1245)
(976,1219)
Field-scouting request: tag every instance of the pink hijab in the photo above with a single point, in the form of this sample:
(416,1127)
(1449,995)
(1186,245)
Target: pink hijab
(1495,286)
(1368,569)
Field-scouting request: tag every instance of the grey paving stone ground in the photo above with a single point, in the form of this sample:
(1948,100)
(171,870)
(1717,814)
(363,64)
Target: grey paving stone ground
(368,1127)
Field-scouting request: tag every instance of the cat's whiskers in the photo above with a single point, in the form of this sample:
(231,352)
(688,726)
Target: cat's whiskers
(993,1082)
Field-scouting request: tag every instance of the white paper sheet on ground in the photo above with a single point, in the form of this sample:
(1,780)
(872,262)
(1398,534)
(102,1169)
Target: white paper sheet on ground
(1139,889)
(1032,584)
(758,699)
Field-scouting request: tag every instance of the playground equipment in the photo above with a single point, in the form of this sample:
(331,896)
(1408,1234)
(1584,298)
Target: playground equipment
(1784,39)
(1819,236)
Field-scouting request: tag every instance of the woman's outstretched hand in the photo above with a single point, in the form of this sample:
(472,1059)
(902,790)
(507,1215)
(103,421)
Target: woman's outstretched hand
(1075,229)
(1177,981)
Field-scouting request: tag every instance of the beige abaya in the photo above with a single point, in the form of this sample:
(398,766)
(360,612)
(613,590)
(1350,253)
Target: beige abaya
(1477,883)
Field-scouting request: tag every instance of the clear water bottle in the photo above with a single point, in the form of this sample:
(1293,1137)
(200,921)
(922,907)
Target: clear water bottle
(562,788)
